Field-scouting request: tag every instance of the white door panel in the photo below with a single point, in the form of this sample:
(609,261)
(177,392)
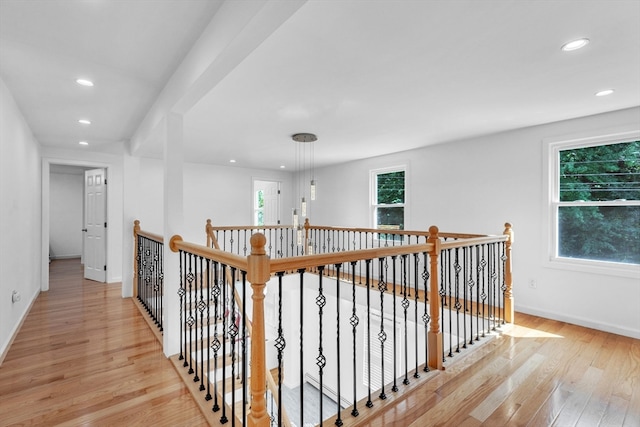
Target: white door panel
(95,225)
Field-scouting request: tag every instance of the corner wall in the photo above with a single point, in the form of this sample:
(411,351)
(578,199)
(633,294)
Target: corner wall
(20,217)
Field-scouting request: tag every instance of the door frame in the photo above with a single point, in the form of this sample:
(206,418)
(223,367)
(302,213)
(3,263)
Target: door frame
(46,199)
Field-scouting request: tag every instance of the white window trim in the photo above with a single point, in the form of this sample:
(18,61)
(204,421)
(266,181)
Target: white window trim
(551,149)
(373,192)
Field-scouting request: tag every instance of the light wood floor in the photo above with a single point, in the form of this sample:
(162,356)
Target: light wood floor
(85,356)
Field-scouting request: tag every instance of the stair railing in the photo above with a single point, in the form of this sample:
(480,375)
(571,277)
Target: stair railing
(148,277)
(426,276)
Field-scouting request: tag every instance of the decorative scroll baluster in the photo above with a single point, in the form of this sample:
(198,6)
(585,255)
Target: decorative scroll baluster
(339,416)
(354,320)
(233,334)
(209,298)
(321,360)
(448,272)
(483,295)
(503,284)
(465,308)
(280,345)
(457,269)
(181,294)
(215,345)
(478,281)
(394,388)
(190,319)
(443,294)
(416,264)
(382,335)
(405,307)
(425,316)
(470,285)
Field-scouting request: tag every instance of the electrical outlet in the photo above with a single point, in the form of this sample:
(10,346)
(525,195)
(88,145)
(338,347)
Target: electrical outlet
(533,284)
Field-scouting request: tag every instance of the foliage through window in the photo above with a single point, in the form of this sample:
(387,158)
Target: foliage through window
(388,200)
(597,202)
(259,208)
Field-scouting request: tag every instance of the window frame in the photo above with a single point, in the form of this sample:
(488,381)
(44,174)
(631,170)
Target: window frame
(373,198)
(551,159)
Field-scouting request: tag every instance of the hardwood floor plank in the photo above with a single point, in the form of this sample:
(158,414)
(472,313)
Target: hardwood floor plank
(85,356)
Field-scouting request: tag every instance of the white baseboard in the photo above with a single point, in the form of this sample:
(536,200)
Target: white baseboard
(6,346)
(587,323)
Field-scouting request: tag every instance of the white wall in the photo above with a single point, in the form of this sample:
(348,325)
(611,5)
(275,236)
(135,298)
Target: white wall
(20,216)
(220,193)
(477,185)
(65,214)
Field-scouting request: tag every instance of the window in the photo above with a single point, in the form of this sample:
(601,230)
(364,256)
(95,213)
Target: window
(388,199)
(595,201)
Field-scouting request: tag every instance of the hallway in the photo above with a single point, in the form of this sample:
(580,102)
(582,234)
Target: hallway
(85,356)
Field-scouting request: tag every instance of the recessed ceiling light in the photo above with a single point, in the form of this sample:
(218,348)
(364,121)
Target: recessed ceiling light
(604,92)
(232,161)
(84,121)
(83,143)
(282,166)
(575,45)
(84,82)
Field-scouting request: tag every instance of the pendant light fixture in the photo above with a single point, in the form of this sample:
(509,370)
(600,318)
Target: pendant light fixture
(306,173)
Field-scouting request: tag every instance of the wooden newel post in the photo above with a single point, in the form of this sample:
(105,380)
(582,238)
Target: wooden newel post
(434,358)
(208,229)
(508,278)
(136,229)
(258,275)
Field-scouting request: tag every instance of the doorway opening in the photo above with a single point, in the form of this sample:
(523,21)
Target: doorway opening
(64,217)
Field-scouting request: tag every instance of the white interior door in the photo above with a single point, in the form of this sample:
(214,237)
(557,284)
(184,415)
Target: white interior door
(95,220)
(269,211)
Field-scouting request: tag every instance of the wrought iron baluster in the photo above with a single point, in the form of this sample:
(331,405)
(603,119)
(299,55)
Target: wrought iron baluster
(225,337)
(181,294)
(339,416)
(321,360)
(191,319)
(394,388)
(483,296)
(442,292)
(208,395)
(215,345)
(280,345)
(233,334)
(201,306)
(426,318)
(457,269)
(301,274)
(405,307)
(382,335)
(416,265)
(354,320)
(503,284)
(368,283)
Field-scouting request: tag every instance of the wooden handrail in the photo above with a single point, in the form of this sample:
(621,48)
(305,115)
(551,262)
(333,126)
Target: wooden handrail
(310,261)
(231,260)
(472,241)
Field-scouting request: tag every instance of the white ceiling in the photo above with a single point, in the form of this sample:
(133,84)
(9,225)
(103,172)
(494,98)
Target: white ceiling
(368,77)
